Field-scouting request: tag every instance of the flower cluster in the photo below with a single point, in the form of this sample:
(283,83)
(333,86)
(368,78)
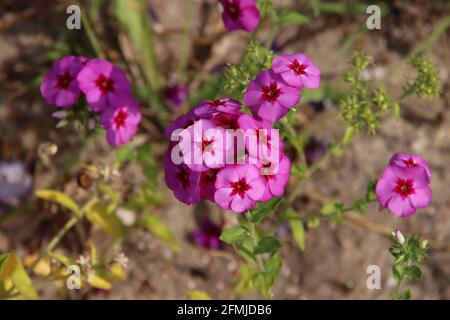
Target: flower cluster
(107,91)
(240,14)
(404,185)
(233,159)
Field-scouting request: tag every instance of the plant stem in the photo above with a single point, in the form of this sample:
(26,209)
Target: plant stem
(255,243)
(91,33)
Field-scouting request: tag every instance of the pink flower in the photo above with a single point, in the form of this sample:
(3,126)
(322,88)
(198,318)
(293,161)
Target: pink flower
(204,146)
(298,70)
(410,160)
(208,108)
(276,175)
(104,84)
(181,123)
(175,95)
(266,141)
(207,235)
(269,97)
(403,189)
(59,87)
(240,14)
(182,181)
(239,187)
(121,123)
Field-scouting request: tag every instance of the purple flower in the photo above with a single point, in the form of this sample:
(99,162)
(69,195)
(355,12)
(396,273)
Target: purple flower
(298,70)
(204,146)
(175,95)
(315,150)
(240,14)
(403,189)
(59,86)
(182,181)
(410,160)
(269,97)
(121,123)
(104,84)
(276,175)
(239,187)
(15,182)
(181,123)
(207,184)
(209,108)
(207,235)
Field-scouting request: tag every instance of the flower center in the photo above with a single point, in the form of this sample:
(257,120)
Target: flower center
(63,80)
(105,84)
(120,118)
(206,145)
(183,177)
(409,162)
(216,103)
(240,187)
(233,9)
(271,92)
(298,68)
(404,187)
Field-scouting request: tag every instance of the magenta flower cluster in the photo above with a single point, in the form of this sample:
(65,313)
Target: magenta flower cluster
(404,186)
(233,184)
(240,14)
(107,91)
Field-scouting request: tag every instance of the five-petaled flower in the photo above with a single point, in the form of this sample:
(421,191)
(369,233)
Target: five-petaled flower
(121,123)
(105,85)
(240,14)
(269,97)
(403,189)
(239,187)
(298,70)
(60,87)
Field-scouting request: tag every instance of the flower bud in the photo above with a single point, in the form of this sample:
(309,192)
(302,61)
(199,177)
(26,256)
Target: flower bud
(399,236)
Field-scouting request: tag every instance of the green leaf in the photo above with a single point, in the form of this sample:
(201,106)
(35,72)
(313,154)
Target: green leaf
(99,215)
(12,270)
(413,272)
(59,198)
(313,222)
(290,18)
(159,229)
(198,295)
(298,231)
(406,295)
(267,244)
(60,258)
(234,234)
(264,209)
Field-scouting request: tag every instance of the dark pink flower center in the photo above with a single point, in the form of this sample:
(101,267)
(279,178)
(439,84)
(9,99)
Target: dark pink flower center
(239,187)
(404,187)
(63,80)
(298,68)
(409,162)
(205,145)
(183,177)
(105,84)
(233,9)
(120,118)
(271,92)
(208,177)
(268,174)
(216,103)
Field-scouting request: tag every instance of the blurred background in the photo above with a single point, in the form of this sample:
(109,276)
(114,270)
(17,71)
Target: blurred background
(191,48)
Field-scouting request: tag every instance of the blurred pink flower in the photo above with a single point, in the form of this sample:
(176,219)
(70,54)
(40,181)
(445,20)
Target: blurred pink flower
(175,95)
(59,86)
(240,14)
(121,123)
(403,190)
(208,108)
(239,187)
(298,70)
(104,85)
(207,235)
(269,97)
(410,160)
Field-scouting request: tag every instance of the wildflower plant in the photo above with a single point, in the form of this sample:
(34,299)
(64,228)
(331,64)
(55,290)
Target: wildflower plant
(242,149)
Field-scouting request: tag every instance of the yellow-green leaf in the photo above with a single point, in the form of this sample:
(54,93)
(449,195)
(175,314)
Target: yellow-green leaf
(59,198)
(98,214)
(99,282)
(198,295)
(160,229)
(12,269)
(60,258)
(298,231)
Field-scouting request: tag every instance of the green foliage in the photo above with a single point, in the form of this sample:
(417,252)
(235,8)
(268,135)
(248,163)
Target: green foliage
(237,77)
(102,216)
(267,244)
(407,254)
(14,280)
(289,17)
(333,210)
(426,84)
(159,229)
(363,106)
(198,295)
(264,209)
(59,198)
(235,235)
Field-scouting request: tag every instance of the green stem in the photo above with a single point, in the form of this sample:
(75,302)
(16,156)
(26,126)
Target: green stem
(255,243)
(91,33)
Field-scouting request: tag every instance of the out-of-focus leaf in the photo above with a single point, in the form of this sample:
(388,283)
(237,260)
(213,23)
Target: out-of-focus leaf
(42,268)
(160,229)
(267,244)
(59,198)
(290,18)
(117,272)
(98,214)
(94,255)
(298,231)
(198,295)
(12,270)
(60,258)
(99,282)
